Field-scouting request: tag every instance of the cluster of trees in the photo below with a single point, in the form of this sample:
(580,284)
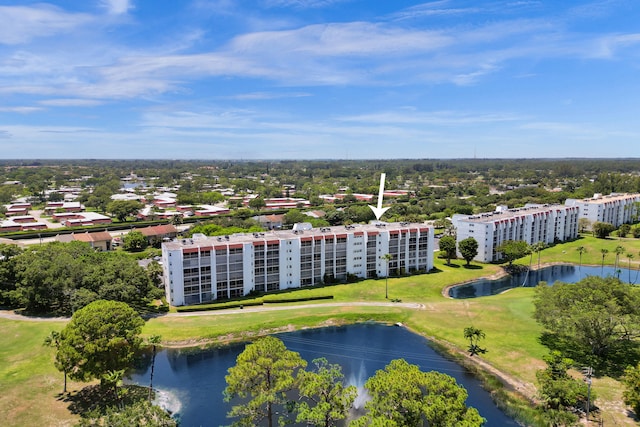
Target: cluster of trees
(269,380)
(60,278)
(101,342)
(449,247)
(595,323)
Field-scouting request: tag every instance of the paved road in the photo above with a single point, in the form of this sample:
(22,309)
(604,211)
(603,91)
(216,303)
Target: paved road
(8,314)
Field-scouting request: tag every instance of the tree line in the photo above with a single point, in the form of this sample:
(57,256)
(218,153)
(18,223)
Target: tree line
(269,384)
(60,278)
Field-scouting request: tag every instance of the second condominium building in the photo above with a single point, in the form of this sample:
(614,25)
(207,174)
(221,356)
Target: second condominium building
(616,209)
(203,269)
(532,224)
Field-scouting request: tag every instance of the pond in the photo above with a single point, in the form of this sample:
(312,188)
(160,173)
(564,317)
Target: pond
(563,273)
(190,382)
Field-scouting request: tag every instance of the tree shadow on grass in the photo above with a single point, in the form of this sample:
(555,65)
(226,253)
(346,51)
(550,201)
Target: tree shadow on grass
(613,364)
(472,267)
(94,398)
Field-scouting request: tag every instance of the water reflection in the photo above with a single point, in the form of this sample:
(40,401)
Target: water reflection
(562,273)
(196,378)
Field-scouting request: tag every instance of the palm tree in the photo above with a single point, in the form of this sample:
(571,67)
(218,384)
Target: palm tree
(604,253)
(474,335)
(581,250)
(154,340)
(629,257)
(619,250)
(386,258)
(538,247)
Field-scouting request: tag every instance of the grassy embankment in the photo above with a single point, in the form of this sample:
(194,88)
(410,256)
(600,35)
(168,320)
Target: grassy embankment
(31,385)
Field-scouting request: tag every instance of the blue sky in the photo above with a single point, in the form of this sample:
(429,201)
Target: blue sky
(329,79)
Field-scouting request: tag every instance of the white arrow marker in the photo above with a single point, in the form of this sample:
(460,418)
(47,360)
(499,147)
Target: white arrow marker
(379,211)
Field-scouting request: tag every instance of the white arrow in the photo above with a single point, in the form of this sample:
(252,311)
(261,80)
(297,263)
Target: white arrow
(379,211)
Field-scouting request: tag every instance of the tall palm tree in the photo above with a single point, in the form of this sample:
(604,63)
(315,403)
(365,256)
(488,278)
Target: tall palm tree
(604,253)
(386,258)
(538,247)
(581,250)
(619,250)
(629,257)
(154,340)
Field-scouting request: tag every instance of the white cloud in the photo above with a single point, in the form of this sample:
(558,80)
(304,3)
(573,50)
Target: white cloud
(117,7)
(21,110)
(70,102)
(21,24)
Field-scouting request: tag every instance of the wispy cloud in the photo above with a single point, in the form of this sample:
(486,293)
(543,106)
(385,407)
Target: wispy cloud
(21,110)
(116,7)
(70,102)
(21,24)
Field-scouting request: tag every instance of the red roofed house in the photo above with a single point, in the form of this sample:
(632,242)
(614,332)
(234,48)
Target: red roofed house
(157,233)
(100,240)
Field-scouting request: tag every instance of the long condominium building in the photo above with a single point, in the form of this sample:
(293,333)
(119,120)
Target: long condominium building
(202,269)
(532,224)
(616,209)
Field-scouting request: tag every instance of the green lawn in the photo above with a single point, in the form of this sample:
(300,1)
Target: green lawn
(31,385)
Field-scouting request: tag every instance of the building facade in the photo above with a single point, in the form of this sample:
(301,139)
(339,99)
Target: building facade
(532,224)
(616,209)
(205,269)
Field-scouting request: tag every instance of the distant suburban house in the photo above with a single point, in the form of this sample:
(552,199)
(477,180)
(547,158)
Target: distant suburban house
(17,209)
(271,222)
(100,240)
(209,210)
(63,207)
(157,233)
(24,223)
(72,219)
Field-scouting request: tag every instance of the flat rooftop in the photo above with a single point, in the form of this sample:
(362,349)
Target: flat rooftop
(198,241)
(513,213)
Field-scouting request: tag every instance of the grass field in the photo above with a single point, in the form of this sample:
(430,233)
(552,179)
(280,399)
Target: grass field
(31,385)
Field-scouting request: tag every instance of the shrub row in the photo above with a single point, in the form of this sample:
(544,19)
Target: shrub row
(270,300)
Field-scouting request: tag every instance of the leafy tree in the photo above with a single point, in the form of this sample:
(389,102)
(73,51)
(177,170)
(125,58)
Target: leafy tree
(583,224)
(597,316)
(134,241)
(8,271)
(631,381)
(325,399)
(257,203)
(101,338)
(468,249)
(602,229)
(141,413)
(402,395)
(122,209)
(264,372)
(474,335)
(623,230)
(448,246)
(513,249)
(635,231)
(558,390)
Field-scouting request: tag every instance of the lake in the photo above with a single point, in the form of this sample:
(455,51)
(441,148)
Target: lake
(190,382)
(563,273)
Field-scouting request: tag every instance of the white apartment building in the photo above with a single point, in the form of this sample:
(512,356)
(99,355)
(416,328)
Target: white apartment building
(205,269)
(532,224)
(616,209)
